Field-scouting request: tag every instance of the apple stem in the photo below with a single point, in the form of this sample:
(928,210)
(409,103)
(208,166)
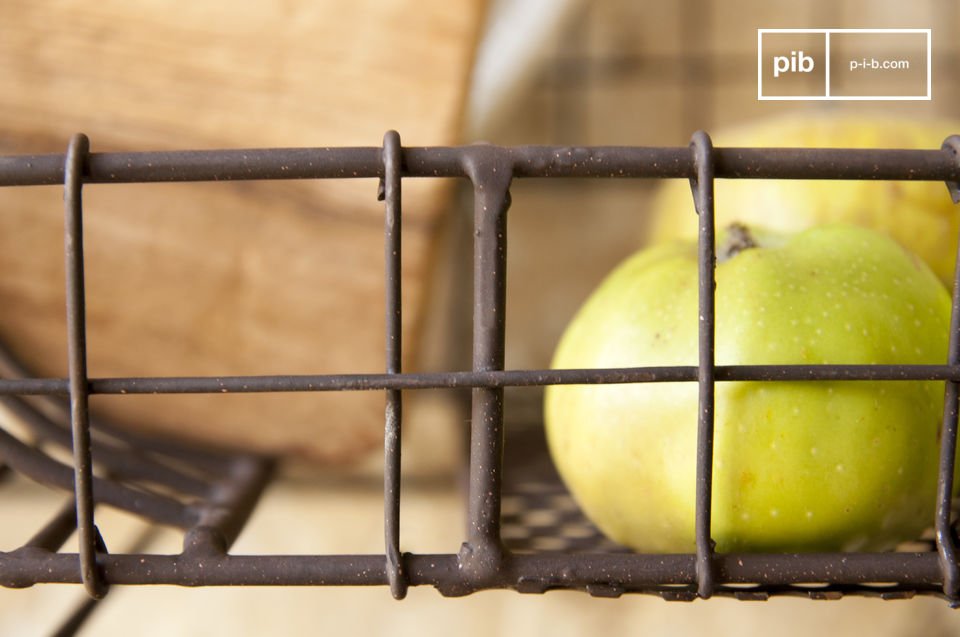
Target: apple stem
(738,238)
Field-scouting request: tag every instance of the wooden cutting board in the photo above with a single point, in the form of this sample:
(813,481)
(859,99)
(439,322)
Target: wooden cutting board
(227,278)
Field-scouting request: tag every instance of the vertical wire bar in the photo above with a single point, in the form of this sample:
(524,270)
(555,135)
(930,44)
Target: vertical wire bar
(946,546)
(390,194)
(89,536)
(702,186)
(491,171)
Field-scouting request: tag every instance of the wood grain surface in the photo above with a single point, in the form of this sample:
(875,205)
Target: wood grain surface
(227,278)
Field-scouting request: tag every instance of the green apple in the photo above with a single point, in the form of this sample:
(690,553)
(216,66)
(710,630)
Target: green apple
(798,466)
(919,215)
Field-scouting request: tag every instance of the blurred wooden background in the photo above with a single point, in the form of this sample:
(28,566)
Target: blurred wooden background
(233,278)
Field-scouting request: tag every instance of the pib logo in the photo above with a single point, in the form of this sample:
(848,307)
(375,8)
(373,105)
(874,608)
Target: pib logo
(792,64)
(844,64)
(797,62)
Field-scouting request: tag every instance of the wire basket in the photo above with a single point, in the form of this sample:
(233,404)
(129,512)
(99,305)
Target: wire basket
(209,496)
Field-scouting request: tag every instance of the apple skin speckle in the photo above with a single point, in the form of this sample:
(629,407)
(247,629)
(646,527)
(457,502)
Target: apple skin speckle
(861,457)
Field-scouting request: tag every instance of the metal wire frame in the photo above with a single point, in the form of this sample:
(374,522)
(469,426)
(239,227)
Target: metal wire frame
(483,561)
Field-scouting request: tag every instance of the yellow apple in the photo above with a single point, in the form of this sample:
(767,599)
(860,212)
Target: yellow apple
(920,215)
(798,466)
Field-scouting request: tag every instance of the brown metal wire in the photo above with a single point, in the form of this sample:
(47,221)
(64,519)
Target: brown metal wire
(702,187)
(210,495)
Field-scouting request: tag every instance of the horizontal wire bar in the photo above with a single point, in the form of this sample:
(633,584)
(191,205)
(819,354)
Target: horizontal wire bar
(528,162)
(54,405)
(508,378)
(627,571)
